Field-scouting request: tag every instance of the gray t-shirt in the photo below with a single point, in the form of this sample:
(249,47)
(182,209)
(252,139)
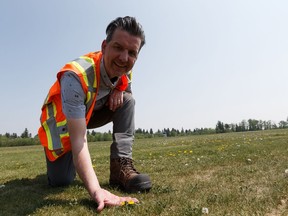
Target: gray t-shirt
(73,96)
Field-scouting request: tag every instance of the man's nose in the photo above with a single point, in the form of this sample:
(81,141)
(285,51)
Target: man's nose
(124,56)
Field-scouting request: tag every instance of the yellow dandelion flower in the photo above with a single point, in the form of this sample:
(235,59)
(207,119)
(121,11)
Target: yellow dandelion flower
(131,202)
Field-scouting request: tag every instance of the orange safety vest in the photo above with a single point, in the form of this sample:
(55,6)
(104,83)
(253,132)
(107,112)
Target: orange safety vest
(53,133)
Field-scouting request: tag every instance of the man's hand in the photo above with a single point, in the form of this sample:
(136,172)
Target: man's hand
(115,99)
(105,198)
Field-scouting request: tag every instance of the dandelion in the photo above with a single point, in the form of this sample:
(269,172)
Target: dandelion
(130,202)
(205,210)
(286,172)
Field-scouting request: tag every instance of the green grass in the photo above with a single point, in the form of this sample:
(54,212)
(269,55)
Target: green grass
(230,174)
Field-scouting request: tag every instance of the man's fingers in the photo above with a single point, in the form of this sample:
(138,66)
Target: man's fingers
(114,104)
(101,206)
(115,100)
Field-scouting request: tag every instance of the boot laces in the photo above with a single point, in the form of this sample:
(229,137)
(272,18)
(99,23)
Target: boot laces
(127,166)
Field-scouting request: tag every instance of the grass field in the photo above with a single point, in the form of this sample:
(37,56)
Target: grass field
(224,174)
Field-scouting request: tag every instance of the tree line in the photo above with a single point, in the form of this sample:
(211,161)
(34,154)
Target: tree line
(250,125)
(14,140)
(26,138)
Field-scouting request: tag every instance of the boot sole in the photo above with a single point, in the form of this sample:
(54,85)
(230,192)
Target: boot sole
(140,187)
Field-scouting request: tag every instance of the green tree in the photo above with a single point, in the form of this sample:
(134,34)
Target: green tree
(220,127)
(253,124)
(227,127)
(283,124)
(25,134)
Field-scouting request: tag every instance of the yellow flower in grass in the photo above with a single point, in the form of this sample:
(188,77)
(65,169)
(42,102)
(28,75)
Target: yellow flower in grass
(130,202)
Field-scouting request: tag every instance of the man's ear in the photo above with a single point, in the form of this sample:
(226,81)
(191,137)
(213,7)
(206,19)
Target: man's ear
(103,46)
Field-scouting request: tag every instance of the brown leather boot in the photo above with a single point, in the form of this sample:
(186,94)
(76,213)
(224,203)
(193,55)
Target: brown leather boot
(123,174)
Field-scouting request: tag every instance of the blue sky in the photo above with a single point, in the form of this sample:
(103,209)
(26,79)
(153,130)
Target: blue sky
(204,60)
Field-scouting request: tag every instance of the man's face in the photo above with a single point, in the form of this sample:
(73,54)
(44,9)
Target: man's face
(121,53)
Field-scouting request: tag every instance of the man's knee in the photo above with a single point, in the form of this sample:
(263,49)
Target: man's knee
(61,172)
(128,101)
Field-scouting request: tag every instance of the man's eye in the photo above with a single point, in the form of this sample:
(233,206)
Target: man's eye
(118,48)
(133,54)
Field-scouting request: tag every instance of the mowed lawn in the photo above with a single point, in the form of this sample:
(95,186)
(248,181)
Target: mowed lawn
(221,174)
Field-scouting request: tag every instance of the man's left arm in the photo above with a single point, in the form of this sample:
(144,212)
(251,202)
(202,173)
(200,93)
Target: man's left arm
(116,97)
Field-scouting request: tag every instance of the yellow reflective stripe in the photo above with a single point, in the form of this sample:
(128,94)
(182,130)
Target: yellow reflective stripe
(52,128)
(48,135)
(47,112)
(60,124)
(129,75)
(88,96)
(46,100)
(82,70)
(54,154)
(91,61)
(46,127)
(54,109)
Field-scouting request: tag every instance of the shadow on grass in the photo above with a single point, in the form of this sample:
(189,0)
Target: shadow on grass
(24,196)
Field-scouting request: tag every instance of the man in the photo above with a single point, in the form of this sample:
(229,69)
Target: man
(91,91)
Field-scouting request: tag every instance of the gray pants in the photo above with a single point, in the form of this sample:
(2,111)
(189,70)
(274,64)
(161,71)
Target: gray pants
(62,171)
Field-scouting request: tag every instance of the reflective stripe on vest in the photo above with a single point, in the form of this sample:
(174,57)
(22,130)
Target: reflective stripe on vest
(129,76)
(87,67)
(55,131)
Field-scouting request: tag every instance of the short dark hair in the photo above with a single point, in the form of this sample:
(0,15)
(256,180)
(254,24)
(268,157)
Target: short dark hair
(128,24)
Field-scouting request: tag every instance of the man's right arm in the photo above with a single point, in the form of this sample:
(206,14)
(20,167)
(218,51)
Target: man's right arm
(84,168)
(81,155)
(74,109)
